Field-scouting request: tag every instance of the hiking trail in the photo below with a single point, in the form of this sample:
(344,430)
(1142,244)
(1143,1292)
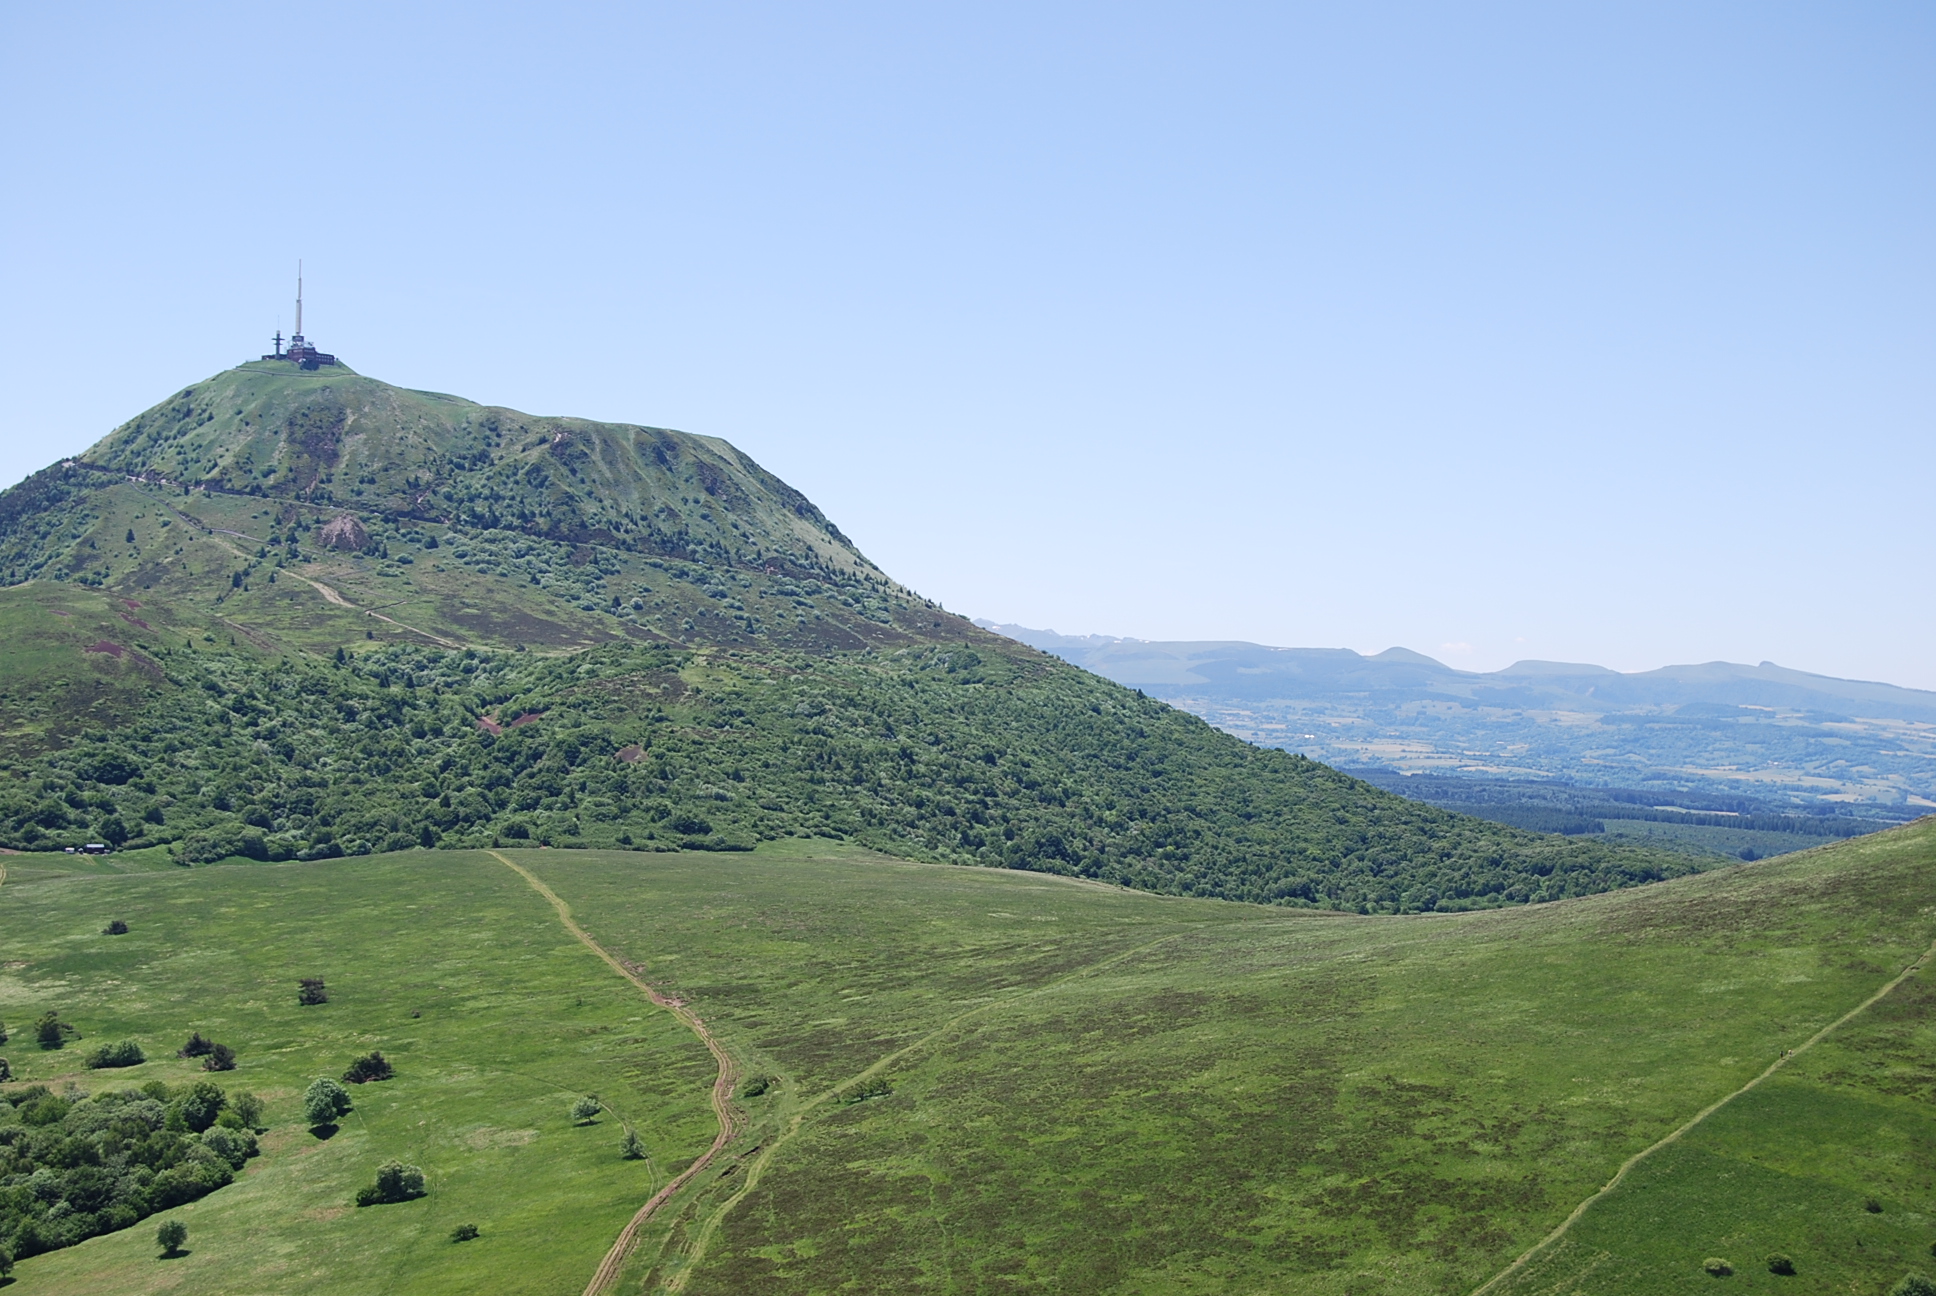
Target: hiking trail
(722,1093)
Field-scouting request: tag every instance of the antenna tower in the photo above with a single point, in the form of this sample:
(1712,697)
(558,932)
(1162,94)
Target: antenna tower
(298,297)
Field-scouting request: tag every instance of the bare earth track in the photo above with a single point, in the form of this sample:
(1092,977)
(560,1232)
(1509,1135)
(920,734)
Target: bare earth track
(723,1084)
(1700,1116)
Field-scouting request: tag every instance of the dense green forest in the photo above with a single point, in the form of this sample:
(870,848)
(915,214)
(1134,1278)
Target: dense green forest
(941,752)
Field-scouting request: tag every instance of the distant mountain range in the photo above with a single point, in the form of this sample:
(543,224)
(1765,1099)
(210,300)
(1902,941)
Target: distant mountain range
(1765,734)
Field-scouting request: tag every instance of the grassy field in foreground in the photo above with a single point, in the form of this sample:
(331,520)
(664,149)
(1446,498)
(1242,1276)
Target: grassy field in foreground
(1099,1091)
(991,1081)
(516,1020)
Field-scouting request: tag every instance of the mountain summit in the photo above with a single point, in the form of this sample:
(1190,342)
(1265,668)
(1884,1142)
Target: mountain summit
(299,613)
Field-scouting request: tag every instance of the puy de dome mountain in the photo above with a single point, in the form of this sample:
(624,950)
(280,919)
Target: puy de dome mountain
(290,614)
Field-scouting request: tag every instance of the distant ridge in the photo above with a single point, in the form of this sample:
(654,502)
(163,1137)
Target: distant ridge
(1762,729)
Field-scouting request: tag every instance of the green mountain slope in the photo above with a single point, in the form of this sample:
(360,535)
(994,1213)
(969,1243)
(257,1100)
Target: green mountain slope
(291,614)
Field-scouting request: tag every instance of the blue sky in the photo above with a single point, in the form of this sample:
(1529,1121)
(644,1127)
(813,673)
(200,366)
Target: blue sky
(1580,332)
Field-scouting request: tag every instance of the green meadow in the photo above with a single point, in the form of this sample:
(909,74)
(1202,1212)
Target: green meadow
(975,1080)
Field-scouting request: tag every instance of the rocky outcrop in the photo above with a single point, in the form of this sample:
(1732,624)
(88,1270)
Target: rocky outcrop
(344,532)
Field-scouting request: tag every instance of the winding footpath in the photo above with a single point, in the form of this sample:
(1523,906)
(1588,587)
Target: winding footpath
(723,1084)
(1700,1116)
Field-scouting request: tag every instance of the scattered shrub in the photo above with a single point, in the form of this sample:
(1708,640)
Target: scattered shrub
(233,1145)
(371,1066)
(121,1053)
(170,1236)
(585,1110)
(1717,1267)
(1778,1263)
(3,1032)
(464,1233)
(395,1182)
(1913,1284)
(877,1087)
(52,1032)
(756,1086)
(197,1046)
(324,1101)
(198,1106)
(247,1109)
(629,1147)
(115,928)
(311,991)
(1872,1206)
(220,1058)
(6,1071)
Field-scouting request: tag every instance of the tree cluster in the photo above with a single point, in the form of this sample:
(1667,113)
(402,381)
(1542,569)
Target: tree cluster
(72,1167)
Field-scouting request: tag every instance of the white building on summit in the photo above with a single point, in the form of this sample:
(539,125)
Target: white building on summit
(299,353)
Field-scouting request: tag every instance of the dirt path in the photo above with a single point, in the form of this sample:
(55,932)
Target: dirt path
(1700,1116)
(723,1084)
(336,598)
(704,1236)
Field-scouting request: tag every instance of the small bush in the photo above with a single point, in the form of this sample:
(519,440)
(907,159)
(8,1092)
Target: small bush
(585,1110)
(629,1147)
(756,1086)
(6,1071)
(311,991)
(877,1087)
(52,1032)
(371,1066)
(220,1058)
(115,928)
(464,1233)
(395,1182)
(1872,1206)
(121,1053)
(170,1236)
(233,1145)
(1778,1263)
(197,1107)
(324,1101)
(248,1110)
(3,1032)
(197,1046)
(1717,1267)
(1913,1284)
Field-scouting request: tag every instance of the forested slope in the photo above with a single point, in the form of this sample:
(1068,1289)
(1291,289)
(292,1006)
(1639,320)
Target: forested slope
(290,615)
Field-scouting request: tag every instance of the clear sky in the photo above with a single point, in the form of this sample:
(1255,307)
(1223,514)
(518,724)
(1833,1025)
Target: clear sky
(1588,332)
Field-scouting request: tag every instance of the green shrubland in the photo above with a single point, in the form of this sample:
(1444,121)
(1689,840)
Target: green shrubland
(945,752)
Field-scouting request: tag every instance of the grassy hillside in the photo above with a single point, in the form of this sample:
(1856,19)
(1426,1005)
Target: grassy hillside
(495,1019)
(980,1079)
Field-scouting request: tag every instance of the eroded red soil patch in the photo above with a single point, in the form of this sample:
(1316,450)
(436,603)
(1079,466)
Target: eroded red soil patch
(113,650)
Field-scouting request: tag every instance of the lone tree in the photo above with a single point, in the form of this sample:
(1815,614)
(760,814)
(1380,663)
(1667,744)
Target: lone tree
(586,1110)
(464,1233)
(122,1053)
(324,1101)
(52,1032)
(170,1236)
(311,991)
(115,928)
(395,1182)
(371,1066)
(629,1147)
